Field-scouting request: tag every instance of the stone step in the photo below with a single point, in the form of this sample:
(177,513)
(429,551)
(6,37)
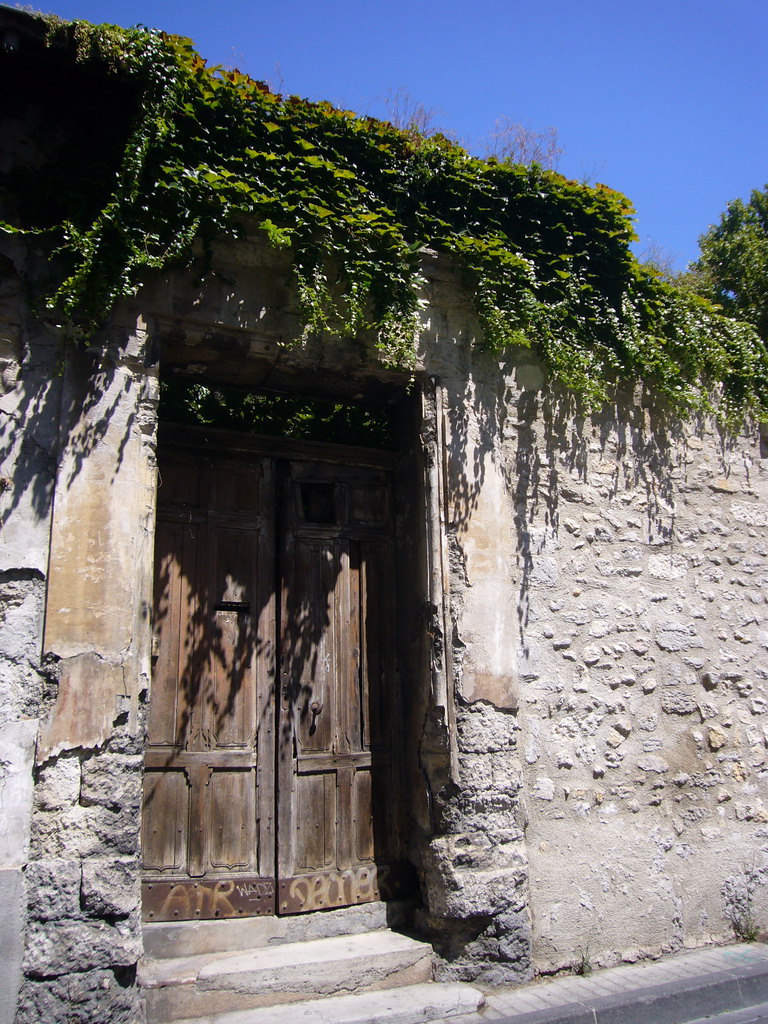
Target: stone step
(219,983)
(414,1004)
(171,939)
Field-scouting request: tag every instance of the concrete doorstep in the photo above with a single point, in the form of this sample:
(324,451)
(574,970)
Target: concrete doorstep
(414,1004)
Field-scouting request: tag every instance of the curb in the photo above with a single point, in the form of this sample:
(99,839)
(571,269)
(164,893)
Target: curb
(752,1015)
(692,999)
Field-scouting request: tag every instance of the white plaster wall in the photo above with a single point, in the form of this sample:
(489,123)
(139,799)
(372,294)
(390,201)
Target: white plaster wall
(481,518)
(644,719)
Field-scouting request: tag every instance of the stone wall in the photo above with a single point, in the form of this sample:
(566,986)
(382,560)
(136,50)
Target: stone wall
(75,585)
(644,675)
(29,403)
(611,654)
(474,866)
(589,755)
(84,933)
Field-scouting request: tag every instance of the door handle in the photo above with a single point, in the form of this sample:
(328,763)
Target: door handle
(315,708)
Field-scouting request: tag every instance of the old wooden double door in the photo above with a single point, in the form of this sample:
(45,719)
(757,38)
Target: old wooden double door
(270,776)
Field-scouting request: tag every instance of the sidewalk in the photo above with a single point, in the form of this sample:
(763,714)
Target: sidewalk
(688,987)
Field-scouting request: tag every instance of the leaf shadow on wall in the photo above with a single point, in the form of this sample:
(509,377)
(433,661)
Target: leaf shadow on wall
(47,416)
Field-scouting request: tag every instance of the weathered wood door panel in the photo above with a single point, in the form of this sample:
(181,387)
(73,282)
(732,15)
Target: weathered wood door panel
(336,773)
(271,787)
(208,823)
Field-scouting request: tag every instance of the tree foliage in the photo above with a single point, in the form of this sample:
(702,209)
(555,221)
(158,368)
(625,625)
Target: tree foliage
(733,267)
(211,153)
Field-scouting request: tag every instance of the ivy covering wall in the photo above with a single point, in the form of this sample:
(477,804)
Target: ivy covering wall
(206,153)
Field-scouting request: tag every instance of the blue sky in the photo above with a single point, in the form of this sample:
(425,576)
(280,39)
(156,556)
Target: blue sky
(665,101)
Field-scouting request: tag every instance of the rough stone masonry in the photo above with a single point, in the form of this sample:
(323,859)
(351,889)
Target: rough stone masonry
(608,588)
(589,785)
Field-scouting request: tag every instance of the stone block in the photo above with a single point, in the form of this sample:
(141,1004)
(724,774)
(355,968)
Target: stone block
(58,784)
(61,834)
(21,690)
(529,660)
(453,892)
(86,832)
(677,636)
(21,609)
(513,930)
(115,833)
(128,736)
(110,887)
(496,817)
(63,947)
(112,781)
(749,514)
(53,889)
(487,730)
(93,997)
(677,702)
(497,954)
(488,776)
(668,567)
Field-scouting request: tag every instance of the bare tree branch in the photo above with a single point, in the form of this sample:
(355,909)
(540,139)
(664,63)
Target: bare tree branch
(520,144)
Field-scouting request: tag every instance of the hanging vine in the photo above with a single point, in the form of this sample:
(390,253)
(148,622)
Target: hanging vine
(211,153)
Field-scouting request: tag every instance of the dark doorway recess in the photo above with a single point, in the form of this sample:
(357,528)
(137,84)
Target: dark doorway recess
(298,417)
